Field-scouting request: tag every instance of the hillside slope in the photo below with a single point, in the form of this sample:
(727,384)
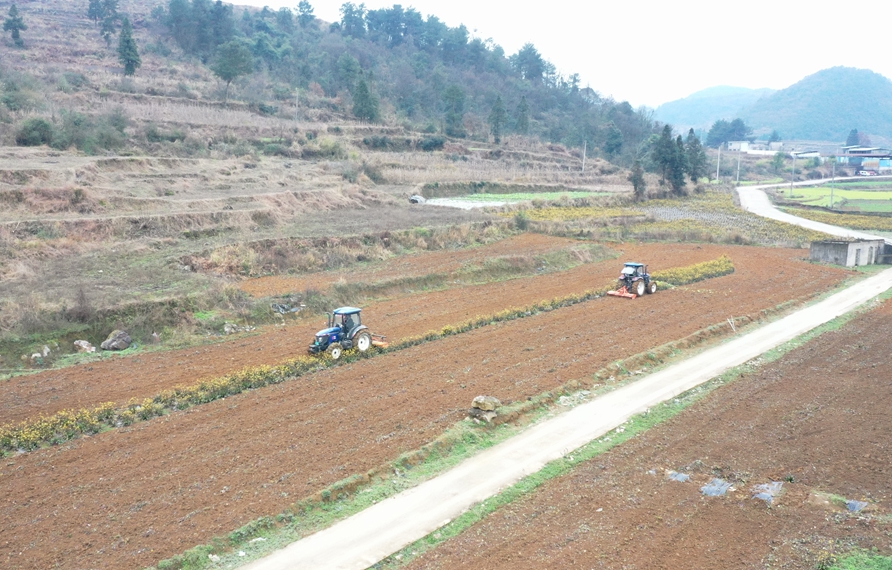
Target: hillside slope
(699,110)
(826,106)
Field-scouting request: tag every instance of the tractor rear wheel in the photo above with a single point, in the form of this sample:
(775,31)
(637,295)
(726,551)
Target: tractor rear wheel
(652,287)
(638,288)
(335,350)
(363,341)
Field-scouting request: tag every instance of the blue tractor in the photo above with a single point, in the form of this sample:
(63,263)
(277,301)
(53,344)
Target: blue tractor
(634,281)
(345,331)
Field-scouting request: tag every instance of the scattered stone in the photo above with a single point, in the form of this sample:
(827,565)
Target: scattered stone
(486,403)
(36,358)
(258,539)
(84,346)
(230,328)
(214,557)
(283,308)
(46,351)
(241,553)
(574,399)
(156,338)
(117,340)
(416,199)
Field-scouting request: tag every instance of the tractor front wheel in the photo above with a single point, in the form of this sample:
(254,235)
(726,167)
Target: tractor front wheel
(363,341)
(652,287)
(335,351)
(639,288)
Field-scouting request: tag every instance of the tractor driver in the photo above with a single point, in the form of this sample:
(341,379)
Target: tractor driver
(348,323)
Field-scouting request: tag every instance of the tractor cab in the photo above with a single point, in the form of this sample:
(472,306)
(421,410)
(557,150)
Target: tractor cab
(634,281)
(346,319)
(345,329)
(634,270)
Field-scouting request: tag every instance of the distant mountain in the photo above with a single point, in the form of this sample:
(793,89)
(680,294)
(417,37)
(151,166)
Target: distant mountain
(826,106)
(701,109)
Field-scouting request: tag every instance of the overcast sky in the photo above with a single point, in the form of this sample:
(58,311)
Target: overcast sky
(654,51)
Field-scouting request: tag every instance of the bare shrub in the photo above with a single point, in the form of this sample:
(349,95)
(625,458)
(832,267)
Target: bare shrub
(82,310)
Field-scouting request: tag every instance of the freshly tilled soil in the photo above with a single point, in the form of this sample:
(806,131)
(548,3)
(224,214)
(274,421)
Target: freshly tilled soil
(817,421)
(130,497)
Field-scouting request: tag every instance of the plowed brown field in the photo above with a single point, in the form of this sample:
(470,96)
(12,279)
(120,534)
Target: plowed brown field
(129,497)
(120,379)
(817,420)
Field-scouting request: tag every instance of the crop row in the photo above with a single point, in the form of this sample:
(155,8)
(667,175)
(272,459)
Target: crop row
(853,221)
(698,272)
(69,424)
(565,213)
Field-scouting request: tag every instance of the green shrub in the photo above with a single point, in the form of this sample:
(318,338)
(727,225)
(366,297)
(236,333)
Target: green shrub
(154,134)
(91,134)
(432,143)
(373,172)
(35,132)
(276,149)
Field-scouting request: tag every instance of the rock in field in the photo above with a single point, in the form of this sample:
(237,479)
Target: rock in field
(84,346)
(117,340)
(486,403)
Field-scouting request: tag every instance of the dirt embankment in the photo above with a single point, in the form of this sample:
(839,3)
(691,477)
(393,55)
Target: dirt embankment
(817,421)
(144,493)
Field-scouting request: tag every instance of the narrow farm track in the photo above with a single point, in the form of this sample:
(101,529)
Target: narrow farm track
(120,379)
(136,495)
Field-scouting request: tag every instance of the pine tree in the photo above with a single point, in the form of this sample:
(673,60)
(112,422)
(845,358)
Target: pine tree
(522,117)
(613,142)
(110,18)
(365,105)
(853,138)
(306,17)
(678,166)
(696,157)
(454,98)
(128,53)
(497,119)
(15,25)
(94,11)
(636,177)
(663,153)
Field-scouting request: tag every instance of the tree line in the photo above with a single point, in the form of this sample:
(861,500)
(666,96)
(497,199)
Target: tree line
(393,62)
(414,67)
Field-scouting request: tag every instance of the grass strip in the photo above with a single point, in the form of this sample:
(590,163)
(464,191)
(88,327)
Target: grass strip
(858,560)
(69,424)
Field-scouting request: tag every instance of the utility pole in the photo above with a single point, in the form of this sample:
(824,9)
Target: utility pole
(738,167)
(584,148)
(718,163)
(832,180)
(793,176)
